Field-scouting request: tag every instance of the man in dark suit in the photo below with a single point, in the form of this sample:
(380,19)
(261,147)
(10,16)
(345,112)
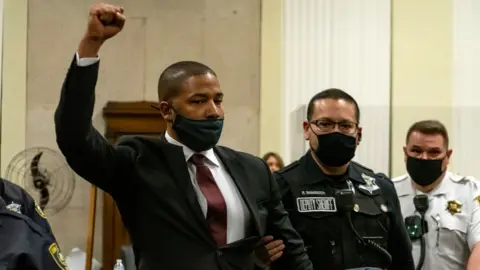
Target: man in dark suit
(187,203)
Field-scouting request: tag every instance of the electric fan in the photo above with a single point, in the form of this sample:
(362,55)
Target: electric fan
(45,175)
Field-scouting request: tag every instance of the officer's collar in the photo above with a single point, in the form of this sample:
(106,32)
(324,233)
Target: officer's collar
(442,188)
(313,173)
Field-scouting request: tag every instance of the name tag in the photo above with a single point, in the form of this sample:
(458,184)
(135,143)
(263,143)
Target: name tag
(316,204)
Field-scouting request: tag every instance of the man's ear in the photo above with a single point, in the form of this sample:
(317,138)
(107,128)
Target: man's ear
(449,153)
(166,111)
(359,135)
(405,156)
(306,127)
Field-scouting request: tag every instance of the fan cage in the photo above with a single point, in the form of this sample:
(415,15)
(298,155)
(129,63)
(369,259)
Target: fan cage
(61,184)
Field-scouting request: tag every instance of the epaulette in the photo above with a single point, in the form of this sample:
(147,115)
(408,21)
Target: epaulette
(289,167)
(384,176)
(457,178)
(400,178)
(361,167)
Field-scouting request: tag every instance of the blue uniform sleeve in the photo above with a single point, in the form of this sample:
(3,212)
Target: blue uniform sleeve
(35,213)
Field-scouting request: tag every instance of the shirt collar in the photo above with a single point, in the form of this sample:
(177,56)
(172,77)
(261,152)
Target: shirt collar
(188,153)
(315,174)
(440,189)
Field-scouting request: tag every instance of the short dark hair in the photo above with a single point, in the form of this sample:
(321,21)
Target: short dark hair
(332,93)
(275,156)
(173,77)
(429,127)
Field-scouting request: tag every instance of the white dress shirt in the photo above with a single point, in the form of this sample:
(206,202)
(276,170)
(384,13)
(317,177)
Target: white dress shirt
(238,215)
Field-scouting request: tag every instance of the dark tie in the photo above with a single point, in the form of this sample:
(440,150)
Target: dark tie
(217,209)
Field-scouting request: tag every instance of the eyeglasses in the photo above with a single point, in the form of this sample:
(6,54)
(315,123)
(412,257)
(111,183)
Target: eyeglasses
(325,126)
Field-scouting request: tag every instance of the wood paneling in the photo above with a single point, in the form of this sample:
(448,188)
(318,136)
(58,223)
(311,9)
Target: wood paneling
(124,118)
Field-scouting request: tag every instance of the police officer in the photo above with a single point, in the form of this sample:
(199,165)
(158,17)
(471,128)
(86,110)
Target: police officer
(26,239)
(348,216)
(451,205)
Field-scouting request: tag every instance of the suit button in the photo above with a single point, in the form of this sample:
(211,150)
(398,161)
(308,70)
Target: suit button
(219,253)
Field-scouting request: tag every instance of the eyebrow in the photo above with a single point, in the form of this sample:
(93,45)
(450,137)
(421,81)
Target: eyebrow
(432,148)
(205,95)
(331,120)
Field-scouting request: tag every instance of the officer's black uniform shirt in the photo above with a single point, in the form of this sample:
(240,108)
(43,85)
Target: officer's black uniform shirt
(26,239)
(329,239)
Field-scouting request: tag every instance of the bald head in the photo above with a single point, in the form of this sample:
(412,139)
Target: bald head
(173,77)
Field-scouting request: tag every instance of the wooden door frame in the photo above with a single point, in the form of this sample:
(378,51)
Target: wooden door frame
(124,118)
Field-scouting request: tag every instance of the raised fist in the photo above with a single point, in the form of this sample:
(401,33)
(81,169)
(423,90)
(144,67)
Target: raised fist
(104,21)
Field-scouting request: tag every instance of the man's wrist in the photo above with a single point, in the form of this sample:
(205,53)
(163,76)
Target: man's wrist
(89,47)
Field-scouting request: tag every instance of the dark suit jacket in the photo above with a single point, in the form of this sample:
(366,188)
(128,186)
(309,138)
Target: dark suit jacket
(149,180)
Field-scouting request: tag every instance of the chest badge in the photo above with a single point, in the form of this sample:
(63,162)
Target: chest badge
(454,207)
(15,207)
(370,186)
(316,204)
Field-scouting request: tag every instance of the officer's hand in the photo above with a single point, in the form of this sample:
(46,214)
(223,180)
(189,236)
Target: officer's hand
(104,21)
(270,251)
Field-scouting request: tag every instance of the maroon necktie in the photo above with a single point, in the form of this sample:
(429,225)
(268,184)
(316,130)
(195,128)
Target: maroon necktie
(217,209)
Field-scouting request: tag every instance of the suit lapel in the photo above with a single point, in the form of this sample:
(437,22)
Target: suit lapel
(175,159)
(239,176)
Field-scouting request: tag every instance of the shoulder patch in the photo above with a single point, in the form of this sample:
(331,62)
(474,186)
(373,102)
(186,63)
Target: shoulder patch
(39,210)
(289,167)
(400,178)
(57,256)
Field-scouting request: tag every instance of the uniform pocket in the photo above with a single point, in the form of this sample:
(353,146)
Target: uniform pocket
(456,223)
(450,237)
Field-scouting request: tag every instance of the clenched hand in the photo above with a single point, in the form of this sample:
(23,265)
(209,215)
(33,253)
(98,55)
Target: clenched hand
(104,21)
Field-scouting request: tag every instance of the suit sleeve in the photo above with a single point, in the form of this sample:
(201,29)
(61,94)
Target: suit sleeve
(84,148)
(399,244)
(279,225)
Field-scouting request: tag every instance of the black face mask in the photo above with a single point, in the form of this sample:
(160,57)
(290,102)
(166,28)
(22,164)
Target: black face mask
(424,171)
(335,149)
(198,135)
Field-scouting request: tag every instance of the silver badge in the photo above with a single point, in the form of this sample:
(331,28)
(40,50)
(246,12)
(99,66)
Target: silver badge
(316,204)
(14,207)
(370,184)
(384,208)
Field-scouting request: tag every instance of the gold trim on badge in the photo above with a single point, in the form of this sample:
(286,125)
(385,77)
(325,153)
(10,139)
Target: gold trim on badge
(356,208)
(57,256)
(454,207)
